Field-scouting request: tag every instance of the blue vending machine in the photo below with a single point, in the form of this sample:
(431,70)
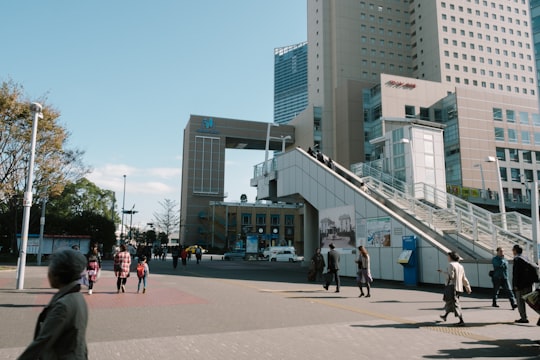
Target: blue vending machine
(409,259)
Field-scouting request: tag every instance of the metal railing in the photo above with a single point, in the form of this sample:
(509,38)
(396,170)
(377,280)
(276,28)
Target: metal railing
(476,228)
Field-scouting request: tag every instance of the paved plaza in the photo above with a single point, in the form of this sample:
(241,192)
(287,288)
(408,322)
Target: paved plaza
(261,310)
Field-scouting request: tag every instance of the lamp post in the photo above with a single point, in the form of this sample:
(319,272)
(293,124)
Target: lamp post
(283,140)
(267,146)
(36,109)
(483,182)
(130,212)
(502,207)
(123,211)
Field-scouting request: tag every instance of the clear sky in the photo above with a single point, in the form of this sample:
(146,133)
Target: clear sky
(127,74)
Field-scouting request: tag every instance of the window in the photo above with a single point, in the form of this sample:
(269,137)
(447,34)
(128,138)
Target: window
(289,220)
(261,219)
(246,219)
(501,154)
(525,137)
(527,156)
(516,174)
(274,220)
(497,114)
(499,134)
(524,117)
(536,119)
(512,136)
(536,138)
(410,111)
(513,155)
(510,116)
(504,175)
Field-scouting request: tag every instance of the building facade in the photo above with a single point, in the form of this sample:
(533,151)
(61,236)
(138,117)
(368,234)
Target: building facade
(457,62)
(290,82)
(276,224)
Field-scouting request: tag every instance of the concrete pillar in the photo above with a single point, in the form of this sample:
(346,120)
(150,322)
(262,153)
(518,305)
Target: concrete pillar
(311,231)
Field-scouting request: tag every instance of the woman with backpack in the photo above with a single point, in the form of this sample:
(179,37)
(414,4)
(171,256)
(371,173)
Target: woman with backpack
(93,267)
(142,273)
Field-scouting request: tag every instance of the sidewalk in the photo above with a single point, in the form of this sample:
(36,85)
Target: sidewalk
(260,310)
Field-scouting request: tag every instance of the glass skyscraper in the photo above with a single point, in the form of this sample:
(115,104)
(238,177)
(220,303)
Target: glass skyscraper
(290,82)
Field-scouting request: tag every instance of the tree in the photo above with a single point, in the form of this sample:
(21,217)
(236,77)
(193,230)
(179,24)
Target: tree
(54,164)
(169,219)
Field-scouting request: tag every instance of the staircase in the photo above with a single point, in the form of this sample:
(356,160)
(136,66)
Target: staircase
(474,230)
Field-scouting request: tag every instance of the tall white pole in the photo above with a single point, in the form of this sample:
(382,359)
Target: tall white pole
(27,201)
(41,231)
(534,218)
(502,207)
(267,147)
(123,208)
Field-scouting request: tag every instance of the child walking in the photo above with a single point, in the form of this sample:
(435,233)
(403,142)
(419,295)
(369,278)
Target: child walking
(142,273)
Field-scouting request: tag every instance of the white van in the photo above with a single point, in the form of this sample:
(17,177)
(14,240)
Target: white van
(270,250)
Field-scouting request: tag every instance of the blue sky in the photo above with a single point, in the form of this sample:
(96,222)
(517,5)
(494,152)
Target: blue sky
(127,74)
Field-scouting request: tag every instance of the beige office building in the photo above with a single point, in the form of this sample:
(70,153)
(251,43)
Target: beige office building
(472,65)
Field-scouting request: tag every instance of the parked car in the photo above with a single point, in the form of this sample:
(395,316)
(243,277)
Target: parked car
(235,254)
(192,248)
(284,255)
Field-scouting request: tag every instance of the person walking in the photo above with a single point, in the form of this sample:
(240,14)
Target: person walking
(122,264)
(318,264)
(93,267)
(175,253)
(500,278)
(333,268)
(142,273)
(457,281)
(184,256)
(521,281)
(61,327)
(198,254)
(364,271)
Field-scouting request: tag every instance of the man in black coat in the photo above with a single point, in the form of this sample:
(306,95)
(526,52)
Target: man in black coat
(521,284)
(333,267)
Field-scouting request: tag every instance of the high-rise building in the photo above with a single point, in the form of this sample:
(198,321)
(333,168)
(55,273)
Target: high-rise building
(290,82)
(481,51)
(535,18)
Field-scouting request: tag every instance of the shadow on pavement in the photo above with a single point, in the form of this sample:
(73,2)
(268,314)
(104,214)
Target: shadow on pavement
(507,349)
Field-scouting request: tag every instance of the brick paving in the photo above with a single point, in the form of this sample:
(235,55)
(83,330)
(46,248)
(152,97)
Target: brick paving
(260,310)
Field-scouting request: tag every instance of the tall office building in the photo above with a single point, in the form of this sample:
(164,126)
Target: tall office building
(535,18)
(485,46)
(290,82)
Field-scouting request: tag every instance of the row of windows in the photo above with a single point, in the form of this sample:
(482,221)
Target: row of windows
(261,219)
(496,39)
(500,18)
(512,136)
(518,175)
(382,31)
(491,85)
(517,155)
(490,61)
(487,49)
(485,3)
(511,116)
(491,73)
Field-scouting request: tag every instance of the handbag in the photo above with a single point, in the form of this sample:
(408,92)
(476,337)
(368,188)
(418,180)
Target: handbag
(533,300)
(490,273)
(449,292)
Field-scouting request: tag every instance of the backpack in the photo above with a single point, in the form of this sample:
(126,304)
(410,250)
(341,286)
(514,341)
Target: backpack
(140,270)
(530,273)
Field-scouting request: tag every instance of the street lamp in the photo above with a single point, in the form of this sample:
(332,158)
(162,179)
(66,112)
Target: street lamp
(267,146)
(36,109)
(483,182)
(130,212)
(123,211)
(283,140)
(502,207)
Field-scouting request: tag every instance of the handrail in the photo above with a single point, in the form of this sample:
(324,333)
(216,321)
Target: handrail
(481,227)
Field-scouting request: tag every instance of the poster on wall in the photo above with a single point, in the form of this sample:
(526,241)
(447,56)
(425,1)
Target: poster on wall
(252,243)
(338,226)
(378,231)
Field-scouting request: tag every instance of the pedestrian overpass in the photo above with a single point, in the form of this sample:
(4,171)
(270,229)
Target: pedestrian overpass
(441,222)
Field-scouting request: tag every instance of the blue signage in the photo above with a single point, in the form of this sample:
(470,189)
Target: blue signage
(207,126)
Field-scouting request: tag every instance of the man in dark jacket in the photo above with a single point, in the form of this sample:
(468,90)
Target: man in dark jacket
(333,267)
(500,278)
(520,283)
